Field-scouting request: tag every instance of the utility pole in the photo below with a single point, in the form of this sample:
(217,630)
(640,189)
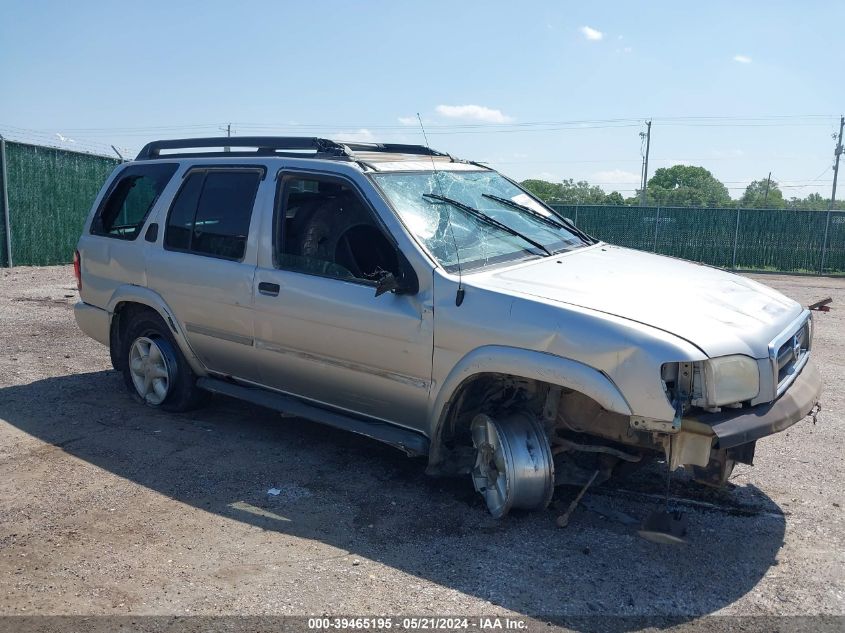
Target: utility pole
(647,135)
(837,153)
(766,196)
(228,135)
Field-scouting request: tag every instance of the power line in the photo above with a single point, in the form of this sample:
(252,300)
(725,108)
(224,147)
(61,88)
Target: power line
(726,121)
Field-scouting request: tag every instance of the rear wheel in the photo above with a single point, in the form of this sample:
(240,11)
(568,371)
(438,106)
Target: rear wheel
(513,466)
(153,367)
(150,370)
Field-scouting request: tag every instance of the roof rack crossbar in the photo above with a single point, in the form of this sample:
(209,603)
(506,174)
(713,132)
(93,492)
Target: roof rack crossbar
(393,148)
(277,146)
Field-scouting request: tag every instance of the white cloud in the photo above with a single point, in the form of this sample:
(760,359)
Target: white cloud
(742,59)
(615,177)
(591,34)
(408,120)
(362,135)
(473,113)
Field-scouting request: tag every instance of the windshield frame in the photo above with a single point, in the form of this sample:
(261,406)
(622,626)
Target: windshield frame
(498,261)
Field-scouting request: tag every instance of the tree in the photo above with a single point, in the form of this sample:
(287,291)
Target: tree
(571,192)
(548,192)
(614,197)
(755,196)
(581,192)
(814,201)
(687,186)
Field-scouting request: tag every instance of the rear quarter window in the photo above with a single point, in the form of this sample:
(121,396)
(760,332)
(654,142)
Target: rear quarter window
(128,202)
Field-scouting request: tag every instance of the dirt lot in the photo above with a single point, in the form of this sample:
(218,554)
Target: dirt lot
(108,507)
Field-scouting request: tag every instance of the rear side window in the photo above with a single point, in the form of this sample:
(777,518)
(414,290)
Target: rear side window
(211,213)
(129,200)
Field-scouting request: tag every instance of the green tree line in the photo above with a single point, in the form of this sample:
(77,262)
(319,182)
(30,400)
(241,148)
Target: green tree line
(679,186)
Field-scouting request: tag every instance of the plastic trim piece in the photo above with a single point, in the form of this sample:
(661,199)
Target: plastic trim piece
(410,442)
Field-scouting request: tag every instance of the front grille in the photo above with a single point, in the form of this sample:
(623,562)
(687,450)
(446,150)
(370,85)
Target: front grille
(789,352)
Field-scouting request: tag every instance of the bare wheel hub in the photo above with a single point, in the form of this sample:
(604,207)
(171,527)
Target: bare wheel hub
(149,369)
(513,466)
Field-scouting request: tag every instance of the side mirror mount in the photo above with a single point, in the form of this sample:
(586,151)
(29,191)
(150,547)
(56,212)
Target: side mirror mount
(387,283)
(405,283)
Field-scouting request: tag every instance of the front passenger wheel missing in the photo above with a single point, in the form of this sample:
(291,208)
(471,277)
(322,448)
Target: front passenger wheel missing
(513,466)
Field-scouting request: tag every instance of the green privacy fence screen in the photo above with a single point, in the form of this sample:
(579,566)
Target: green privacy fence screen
(742,239)
(50,192)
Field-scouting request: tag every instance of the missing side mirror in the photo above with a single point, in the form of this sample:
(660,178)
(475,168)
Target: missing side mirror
(387,283)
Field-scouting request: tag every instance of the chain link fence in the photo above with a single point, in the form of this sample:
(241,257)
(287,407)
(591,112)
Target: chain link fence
(779,240)
(48,193)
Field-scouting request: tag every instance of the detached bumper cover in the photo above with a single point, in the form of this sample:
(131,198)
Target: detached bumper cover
(737,428)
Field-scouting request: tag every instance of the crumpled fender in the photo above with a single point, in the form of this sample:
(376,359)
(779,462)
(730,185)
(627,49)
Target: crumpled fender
(139,294)
(499,359)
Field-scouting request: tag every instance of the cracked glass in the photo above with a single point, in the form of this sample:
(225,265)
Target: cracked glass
(456,237)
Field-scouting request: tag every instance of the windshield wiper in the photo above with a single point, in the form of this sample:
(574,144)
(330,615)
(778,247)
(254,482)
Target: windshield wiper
(483,217)
(521,207)
(550,221)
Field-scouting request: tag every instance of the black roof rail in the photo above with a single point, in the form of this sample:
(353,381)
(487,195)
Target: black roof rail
(291,146)
(265,145)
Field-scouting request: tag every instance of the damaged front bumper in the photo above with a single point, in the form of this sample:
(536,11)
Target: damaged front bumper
(713,442)
(741,427)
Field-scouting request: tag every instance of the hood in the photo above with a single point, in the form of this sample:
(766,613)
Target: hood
(718,312)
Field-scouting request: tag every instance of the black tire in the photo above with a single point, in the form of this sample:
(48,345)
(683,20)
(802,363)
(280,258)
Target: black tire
(182,393)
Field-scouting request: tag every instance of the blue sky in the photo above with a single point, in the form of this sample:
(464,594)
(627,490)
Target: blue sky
(557,89)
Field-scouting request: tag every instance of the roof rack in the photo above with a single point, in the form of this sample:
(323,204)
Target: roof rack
(285,146)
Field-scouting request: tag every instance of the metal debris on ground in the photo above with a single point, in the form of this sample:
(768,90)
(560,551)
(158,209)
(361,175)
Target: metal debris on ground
(563,519)
(821,306)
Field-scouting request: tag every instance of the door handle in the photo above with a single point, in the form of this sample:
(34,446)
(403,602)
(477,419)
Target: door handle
(269,289)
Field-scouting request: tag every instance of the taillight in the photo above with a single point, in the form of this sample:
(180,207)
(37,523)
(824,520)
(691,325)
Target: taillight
(77,270)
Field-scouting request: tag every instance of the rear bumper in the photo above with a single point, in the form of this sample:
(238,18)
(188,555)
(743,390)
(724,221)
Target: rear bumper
(733,428)
(94,321)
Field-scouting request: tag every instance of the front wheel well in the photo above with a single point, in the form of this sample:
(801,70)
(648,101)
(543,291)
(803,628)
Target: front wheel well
(571,419)
(481,393)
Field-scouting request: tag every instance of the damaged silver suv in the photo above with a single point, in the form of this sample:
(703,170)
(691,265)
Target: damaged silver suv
(433,304)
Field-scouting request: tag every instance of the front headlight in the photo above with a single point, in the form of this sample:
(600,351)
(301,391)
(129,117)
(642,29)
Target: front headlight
(730,379)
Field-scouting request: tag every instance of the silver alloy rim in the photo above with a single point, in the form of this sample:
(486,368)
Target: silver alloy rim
(149,370)
(513,465)
(493,462)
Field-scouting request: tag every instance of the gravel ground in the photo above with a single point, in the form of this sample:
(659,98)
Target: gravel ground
(108,507)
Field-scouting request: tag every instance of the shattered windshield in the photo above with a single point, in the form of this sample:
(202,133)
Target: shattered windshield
(455,235)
